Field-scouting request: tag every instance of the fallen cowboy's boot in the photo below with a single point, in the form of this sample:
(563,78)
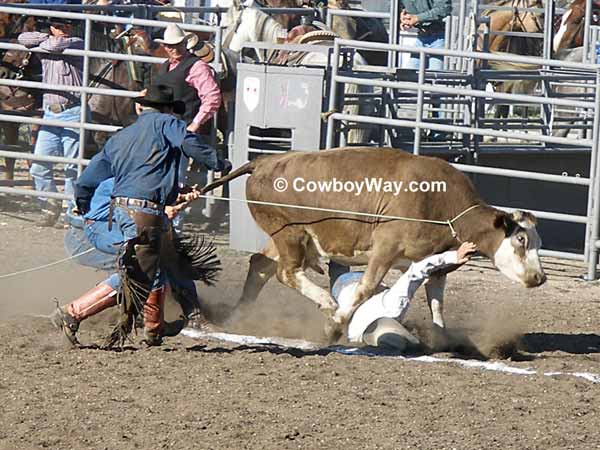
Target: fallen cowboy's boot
(68,317)
(67,323)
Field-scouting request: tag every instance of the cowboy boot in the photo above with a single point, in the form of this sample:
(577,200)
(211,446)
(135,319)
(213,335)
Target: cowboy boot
(50,213)
(69,317)
(154,317)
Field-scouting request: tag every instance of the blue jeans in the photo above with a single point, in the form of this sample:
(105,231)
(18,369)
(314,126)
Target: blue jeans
(433,62)
(56,141)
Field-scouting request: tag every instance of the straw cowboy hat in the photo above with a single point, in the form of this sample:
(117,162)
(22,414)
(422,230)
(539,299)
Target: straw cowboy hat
(160,95)
(173,35)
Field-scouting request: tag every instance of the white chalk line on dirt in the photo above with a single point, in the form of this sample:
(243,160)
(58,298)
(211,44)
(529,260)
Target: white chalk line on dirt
(494,366)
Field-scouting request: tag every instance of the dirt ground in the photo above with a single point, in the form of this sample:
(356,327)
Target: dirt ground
(209,394)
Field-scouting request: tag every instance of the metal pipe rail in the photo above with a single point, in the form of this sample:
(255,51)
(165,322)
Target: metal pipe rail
(465,92)
(106,19)
(509,57)
(90,53)
(158,9)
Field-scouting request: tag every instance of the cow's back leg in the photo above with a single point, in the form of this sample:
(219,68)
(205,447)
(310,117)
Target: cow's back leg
(262,268)
(292,247)
(434,289)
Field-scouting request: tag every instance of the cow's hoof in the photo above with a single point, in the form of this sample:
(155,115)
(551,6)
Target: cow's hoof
(333,332)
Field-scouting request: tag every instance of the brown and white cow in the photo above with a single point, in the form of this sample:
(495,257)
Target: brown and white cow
(300,236)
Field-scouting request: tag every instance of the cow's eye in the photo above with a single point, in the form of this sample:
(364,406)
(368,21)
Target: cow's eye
(521,240)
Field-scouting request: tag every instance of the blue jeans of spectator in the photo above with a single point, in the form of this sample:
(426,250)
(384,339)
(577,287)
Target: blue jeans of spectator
(433,62)
(56,141)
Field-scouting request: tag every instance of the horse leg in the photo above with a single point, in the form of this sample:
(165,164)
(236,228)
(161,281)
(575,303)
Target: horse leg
(11,132)
(35,129)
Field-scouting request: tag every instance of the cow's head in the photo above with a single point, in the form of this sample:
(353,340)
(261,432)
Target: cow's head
(517,253)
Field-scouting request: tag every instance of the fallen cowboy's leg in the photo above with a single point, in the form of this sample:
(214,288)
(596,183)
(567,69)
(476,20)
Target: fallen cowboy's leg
(97,299)
(391,334)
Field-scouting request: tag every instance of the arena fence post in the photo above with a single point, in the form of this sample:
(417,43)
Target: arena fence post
(333,95)
(84,105)
(419,116)
(594,191)
(586,28)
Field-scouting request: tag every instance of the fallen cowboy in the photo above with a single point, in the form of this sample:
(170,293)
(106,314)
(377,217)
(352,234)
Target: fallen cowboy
(376,228)
(377,322)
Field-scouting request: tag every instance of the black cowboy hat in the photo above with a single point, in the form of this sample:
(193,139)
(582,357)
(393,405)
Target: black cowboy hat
(161,95)
(60,21)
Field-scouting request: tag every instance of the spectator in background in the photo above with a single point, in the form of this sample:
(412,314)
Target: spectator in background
(191,79)
(58,105)
(427,16)
(193,82)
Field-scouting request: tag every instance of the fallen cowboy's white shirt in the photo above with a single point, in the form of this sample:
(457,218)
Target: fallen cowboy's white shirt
(495,366)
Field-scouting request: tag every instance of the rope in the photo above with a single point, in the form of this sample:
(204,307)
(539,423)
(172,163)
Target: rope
(285,205)
(448,222)
(33,269)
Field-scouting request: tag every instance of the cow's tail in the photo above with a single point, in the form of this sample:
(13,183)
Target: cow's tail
(247,168)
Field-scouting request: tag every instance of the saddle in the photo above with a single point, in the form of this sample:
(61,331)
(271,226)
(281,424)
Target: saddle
(302,34)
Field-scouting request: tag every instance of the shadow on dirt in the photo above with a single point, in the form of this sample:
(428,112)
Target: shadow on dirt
(263,348)
(578,344)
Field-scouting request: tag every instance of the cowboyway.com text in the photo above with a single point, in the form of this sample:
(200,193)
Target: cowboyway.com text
(357,187)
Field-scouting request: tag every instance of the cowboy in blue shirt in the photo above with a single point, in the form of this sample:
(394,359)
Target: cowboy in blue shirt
(89,236)
(144,160)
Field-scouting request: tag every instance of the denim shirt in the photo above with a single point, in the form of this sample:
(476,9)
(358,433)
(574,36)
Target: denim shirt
(100,203)
(428,11)
(144,160)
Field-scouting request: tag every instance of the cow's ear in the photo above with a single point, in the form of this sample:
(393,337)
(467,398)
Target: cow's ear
(504,221)
(525,219)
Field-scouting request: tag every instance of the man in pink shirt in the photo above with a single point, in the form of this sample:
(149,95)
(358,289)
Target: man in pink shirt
(191,79)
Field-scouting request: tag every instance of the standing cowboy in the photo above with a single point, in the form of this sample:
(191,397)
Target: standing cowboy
(193,83)
(58,105)
(191,79)
(144,160)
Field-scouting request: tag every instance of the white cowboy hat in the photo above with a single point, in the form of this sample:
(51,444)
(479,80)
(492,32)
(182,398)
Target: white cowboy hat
(173,35)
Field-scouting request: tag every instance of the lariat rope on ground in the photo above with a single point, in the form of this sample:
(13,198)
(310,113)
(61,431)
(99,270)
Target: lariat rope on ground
(285,205)
(33,269)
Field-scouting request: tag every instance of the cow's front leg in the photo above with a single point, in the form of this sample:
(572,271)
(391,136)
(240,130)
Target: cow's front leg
(378,266)
(434,289)
(296,278)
